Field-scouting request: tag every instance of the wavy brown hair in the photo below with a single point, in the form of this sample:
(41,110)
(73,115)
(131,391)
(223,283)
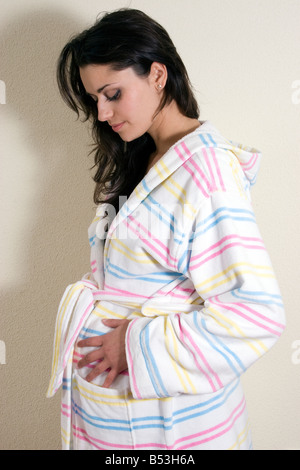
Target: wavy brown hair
(124,38)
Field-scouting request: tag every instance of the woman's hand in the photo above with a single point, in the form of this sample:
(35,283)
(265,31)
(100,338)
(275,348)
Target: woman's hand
(111,352)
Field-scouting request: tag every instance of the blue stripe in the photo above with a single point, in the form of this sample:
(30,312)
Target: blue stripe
(221,344)
(192,408)
(203,140)
(93,332)
(212,140)
(151,364)
(167,275)
(233,215)
(253,297)
(197,410)
(217,219)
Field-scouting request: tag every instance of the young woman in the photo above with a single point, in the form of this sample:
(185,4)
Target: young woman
(181,298)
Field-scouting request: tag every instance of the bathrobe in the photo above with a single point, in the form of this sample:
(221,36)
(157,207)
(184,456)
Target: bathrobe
(184,260)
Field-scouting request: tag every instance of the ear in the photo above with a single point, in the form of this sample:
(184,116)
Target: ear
(158,75)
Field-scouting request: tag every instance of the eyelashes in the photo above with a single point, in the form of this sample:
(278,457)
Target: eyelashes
(115,97)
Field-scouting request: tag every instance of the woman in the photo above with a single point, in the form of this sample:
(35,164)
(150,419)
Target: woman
(181,298)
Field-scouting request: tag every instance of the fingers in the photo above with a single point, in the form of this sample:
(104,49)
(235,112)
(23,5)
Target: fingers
(110,352)
(95,341)
(98,370)
(113,323)
(93,356)
(109,379)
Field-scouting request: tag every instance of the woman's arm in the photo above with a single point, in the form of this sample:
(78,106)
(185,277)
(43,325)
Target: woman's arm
(241,319)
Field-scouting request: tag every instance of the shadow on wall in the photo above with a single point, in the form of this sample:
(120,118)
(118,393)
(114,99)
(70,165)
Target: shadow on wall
(46,207)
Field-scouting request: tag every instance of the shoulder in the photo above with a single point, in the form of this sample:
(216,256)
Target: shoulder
(216,164)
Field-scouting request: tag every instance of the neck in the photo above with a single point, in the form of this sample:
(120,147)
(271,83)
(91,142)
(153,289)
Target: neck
(168,127)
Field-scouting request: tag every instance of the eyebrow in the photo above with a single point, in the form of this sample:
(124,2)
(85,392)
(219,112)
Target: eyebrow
(101,89)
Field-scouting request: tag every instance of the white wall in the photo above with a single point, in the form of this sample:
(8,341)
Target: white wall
(243,60)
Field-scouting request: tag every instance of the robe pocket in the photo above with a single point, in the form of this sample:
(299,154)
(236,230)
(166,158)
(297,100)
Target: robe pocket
(100,416)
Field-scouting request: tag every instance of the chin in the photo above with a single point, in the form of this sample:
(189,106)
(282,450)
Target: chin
(128,139)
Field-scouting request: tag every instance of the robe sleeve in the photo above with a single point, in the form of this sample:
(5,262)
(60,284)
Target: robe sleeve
(239,315)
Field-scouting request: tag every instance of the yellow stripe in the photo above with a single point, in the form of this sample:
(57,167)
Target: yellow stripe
(65,436)
(241,437)
(172,360)
(235,168)
(99,306)
(233,276)
(181,191)
(123,252)
(98,397)
(61,316)
(237,328)
(187,377)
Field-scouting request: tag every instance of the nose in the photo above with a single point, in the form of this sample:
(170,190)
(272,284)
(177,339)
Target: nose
(105,111)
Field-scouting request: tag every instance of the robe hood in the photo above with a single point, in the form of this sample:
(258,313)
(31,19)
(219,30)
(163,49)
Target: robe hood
(206,137)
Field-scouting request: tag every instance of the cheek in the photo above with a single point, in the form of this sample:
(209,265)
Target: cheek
(140,105)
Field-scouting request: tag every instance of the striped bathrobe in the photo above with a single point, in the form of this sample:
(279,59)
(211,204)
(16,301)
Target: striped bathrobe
(184,260)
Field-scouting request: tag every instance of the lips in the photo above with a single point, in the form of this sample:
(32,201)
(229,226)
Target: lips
(117,127)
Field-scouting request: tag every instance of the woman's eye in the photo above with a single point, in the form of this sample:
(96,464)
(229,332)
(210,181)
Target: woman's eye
(115,96)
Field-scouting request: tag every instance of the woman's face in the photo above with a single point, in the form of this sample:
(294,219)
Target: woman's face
(127,101)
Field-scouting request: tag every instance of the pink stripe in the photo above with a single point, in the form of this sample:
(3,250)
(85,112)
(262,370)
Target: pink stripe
(73,339)
(275,323)
(165,258)
(185,166)
(68,407)
(251,320)
(120,292)
(230,245)
(191,291)
(202,174)
(65,414)
(215,436)
(173,294)
(93,262)
(250,164)
(183,331)
(65,410)
(77,357)
(217,169)
(263,317)
(224,239)
(88,438)
(230,420)
(89,284)
(213,185)
(82,434)
(131,361)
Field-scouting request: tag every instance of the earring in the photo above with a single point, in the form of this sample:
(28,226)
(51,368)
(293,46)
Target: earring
(159,86)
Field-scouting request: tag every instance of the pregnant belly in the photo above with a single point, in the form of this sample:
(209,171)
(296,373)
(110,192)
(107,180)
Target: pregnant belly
(94,326)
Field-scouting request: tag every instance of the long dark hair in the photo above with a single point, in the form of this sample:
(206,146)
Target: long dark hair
(124,38)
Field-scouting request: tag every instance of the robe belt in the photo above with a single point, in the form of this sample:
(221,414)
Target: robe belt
(75,307)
